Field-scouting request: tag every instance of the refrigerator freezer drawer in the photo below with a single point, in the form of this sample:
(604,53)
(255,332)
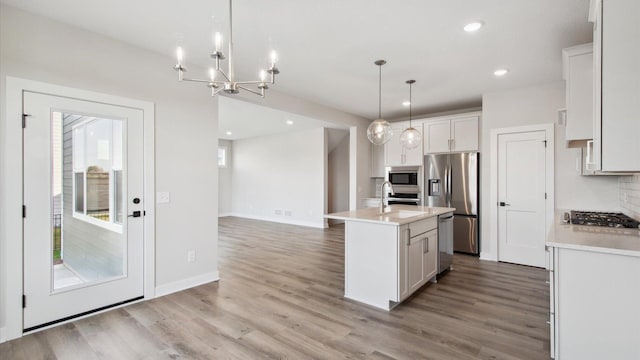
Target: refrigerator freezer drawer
(465,234)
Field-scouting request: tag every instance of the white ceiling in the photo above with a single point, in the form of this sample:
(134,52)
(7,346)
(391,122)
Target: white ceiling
(327,48)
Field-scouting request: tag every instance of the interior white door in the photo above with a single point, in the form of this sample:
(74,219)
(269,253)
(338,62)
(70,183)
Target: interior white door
(84,207)
(522,198)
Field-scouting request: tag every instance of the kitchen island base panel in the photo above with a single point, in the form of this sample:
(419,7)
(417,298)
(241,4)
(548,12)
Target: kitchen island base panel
(371,263)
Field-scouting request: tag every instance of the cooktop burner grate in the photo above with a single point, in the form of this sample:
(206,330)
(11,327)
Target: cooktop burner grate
(609,219)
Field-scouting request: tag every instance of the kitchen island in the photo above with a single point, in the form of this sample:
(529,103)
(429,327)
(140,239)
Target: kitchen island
(389,256)
(594,280)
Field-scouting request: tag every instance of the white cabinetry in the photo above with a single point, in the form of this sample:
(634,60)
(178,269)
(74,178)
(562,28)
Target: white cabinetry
(451,135)
(594,309)
(577,71)
(396,154)
(377,161)
(617,66)
(385,264)
(420,259)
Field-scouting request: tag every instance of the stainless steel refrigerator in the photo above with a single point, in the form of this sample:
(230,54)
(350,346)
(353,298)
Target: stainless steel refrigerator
(451,180)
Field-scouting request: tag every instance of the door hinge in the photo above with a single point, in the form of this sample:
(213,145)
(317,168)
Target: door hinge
(24,120)
(24,211)
(545,196)
(545,143)
(24,301)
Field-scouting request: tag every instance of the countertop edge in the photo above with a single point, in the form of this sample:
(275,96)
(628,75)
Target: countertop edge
(391,221)
(599,249)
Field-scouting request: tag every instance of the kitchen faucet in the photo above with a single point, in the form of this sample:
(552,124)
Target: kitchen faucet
(383,208)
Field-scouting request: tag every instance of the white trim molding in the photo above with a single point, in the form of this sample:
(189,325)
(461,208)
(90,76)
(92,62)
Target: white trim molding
(490,252)
(184,284)
(11,233)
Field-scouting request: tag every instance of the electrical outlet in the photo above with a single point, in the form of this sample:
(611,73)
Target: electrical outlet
(287,213)
(278,212)
(191,256)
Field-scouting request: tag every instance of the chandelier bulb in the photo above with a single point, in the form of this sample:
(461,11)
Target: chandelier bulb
(179,55)
(274,58)
(218,41)
(263,75)
(212,74)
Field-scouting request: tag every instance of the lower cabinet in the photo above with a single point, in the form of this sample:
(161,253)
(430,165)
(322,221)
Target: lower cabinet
(594,312)
(386,263)
(418,250)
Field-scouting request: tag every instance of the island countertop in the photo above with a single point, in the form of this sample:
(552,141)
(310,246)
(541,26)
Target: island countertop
(395,214)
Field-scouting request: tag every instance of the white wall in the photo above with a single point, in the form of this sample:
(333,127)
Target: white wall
(360,151)
(224,180)
(630,195)
(538,105)
(37,48)
(338,173)
(283,172)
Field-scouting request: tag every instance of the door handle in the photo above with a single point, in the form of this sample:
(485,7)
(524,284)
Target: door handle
(502,203)
(135,214)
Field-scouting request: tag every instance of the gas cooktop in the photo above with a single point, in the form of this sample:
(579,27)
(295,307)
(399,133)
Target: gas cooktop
(609,219)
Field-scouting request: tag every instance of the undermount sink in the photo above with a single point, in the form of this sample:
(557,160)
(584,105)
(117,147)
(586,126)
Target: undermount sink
(403,214)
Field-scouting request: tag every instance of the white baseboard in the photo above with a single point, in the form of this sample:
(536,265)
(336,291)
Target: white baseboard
(3,337)
(225,214)
(184,284)
(488,257)
(282,220)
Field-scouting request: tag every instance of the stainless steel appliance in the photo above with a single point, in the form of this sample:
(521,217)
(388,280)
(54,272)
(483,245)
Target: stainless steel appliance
(406,181)
(608,219)
(451,180)
(445,241)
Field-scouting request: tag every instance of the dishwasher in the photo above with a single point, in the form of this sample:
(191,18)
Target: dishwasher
(445,242)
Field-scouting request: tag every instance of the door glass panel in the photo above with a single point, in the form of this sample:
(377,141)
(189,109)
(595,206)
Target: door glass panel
(88,200)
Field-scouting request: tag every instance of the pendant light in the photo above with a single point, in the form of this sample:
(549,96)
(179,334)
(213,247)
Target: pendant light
(410,137)
(379,131)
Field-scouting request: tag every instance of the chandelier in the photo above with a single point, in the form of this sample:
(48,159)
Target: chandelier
(229,84)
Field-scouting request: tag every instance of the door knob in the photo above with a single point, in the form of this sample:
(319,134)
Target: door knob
(502,203)
(136,214)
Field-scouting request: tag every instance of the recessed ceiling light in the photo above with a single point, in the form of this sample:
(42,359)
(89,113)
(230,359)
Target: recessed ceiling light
(406,103)
(501,72)
(289,122)
(229,133)
(473,27)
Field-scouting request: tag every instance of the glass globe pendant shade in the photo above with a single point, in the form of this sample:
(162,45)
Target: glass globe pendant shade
(379,132)
(411,138)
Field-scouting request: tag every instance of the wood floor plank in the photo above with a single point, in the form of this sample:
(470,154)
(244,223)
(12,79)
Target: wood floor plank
(280,296)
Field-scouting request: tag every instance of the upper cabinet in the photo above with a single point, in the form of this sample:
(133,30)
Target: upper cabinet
(577,71)
(617,86)
(455,134)
(377,161)
(397,155)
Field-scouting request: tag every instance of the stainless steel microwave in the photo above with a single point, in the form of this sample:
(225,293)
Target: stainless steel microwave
(403,175)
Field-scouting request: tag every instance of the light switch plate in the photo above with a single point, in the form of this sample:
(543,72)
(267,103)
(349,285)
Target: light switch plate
(163,197)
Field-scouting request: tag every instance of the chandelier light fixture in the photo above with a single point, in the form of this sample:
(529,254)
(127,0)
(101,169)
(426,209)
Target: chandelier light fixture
(410,137)
(229,84)
(379,131)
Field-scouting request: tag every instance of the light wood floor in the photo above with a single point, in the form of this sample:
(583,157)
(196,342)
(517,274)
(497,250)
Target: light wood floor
(280,296)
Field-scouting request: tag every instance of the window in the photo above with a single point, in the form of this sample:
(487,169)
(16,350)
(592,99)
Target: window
(222,156)
(98,192)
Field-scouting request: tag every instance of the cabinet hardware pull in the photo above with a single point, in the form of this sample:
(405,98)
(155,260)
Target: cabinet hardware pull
(548,323)
(426,243)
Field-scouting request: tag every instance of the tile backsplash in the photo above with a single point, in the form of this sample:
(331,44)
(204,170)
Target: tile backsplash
(630,195)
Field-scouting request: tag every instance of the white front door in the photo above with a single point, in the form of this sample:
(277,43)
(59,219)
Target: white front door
(84,210)
(522,197)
